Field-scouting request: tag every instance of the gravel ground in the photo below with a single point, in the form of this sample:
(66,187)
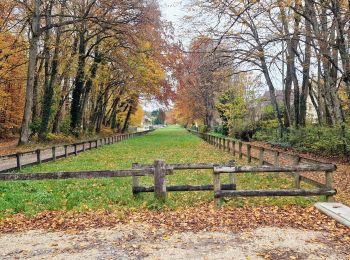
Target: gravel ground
(138,241)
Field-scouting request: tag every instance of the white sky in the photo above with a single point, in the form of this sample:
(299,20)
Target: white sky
(174,11)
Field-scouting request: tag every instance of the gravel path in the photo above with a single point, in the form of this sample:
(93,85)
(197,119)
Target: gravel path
(8,163)
(138,241)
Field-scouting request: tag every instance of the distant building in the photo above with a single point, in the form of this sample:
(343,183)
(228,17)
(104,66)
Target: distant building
(146,121)
(311,113)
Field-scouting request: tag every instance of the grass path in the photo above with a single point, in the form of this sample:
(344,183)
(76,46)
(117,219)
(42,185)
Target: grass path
(172,144)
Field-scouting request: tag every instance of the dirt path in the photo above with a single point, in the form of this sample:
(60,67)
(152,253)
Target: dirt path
(200,232)
(137,241)
(7,163)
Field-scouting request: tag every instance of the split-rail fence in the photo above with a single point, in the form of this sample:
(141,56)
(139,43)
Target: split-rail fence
(18,160)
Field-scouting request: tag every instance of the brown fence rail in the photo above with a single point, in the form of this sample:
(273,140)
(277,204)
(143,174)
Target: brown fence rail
(19,160)
(159,170)
(237,148)
(160,189)
(326,189)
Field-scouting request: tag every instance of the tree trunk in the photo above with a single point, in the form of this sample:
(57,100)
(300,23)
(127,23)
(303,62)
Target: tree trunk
(306,68)
(79,84)
(50,75)
(33,52)
(291,78)
(342,47)
(127,118)
(58,115)
(35,110)
(89,82)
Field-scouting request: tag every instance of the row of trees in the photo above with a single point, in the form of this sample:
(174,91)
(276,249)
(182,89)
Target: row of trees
(85,64)
(301,47)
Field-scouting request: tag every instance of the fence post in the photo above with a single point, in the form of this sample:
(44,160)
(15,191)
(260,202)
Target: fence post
(54,153)
(96,141)
(217,188)
(240,149)
(19,164)
(38,156)
(296,174)
(329,184)
(159,180)
(249,155)
(135,179)
(275,158)
(75,149)
(83,146)
(66,151)
(232,176)
(234,147)
(261,156)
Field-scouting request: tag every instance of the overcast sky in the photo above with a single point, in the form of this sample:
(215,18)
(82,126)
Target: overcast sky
(174,11)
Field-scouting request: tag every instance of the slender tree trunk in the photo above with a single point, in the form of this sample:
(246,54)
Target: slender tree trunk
(306,68)
(65,89)
(33,52)
(35,110)
(79,83)
(268,80)
(291,77)
(342,47)
(127,118)
(50,75)
(58,115)
(89,82)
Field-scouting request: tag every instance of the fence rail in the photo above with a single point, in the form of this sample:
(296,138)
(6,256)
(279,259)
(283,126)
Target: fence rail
(229,190)
(160,189)
(38,156)
(159,170)
(237,148)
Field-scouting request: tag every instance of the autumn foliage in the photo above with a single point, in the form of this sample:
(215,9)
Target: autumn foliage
(89,65)
(12,76)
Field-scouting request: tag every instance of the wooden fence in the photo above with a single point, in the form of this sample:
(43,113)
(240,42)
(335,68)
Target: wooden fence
(326,189)
(246,149)
(229,190)
(19,160)
(160,189)
(159,170)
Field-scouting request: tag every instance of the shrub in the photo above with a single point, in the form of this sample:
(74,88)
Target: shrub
(203,129)
(35,126)
(59,138)
(220,129)
(106,131)
(65,126)
(325,140)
